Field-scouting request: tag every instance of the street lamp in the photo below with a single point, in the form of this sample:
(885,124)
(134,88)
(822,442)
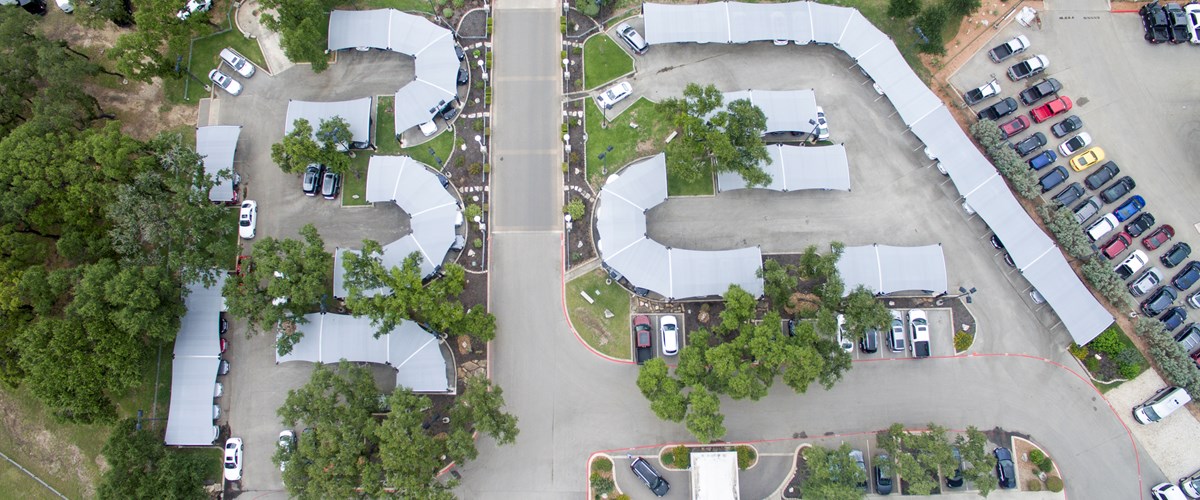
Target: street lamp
(962,292)
(604,156)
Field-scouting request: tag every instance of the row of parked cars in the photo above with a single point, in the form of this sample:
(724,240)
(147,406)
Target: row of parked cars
(1171,22)
(238,64)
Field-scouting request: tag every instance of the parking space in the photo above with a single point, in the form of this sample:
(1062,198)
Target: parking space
(941,338)
(657,337)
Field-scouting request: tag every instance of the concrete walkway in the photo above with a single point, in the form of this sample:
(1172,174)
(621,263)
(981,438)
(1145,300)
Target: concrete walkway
(247,20)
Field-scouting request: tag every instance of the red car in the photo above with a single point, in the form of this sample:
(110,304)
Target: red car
(1115,246)
(224,345)
(641,328)
(1051,109)
(1163,234)
(1014,126)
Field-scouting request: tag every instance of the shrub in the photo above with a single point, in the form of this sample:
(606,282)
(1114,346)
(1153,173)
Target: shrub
(1066,230)
(1092,364)
(682,456)
(903,9)
(574,157)
(1046,465)
(988,133)
(931,20)
(602,464)
(565,126)
(566,167)
(489,25)
(447,13)
(575,208)
(1036,456)
(601,484)
(1106,281)
(1108,342)
(578,50)
(578,83)
(621,497)
(478,84)
(1177,367)
(746,456)
(1034,484)
(477,125)
(475,169)
(458,4)
(475,53)
(1077,350)
(477,243)
(472,211)
(962,7)
(1054,483)
(962,341)
(1129,362)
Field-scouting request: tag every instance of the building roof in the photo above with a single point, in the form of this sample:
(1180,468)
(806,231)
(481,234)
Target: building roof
(217,145)
(715,476)
(356,112)
(194,370)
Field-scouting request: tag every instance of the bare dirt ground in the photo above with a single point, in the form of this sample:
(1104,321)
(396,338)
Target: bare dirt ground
(56,456)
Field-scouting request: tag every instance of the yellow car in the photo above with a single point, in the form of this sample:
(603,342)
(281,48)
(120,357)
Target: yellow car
(1087,158)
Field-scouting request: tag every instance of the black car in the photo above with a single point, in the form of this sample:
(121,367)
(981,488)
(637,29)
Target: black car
(1102,175)
(1118,190)
(1005,468)
(883,474)
(1175,255)
(870,341)
(1140,224)
(955,480)
(1068,125)
(331,184)
(1173,318)
(224,325)
(312,179)
(1042,90)
(1178,21)
(1052,179)
(998,110)
(1030,144)
(464,76)
(1069,195)
(1154,21)
(653,480)
(999,245)
(1187,276)
(458,51)
(1158,301)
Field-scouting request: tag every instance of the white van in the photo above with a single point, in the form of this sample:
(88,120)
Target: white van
(1163,403)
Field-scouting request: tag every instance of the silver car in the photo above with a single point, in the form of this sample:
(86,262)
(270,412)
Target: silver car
(237,62)
(226,82)
(1146,282)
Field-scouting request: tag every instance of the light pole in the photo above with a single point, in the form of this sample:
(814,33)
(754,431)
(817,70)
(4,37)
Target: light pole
(604,156)
(962,292)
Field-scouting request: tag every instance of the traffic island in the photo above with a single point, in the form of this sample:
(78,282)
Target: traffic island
(598,309)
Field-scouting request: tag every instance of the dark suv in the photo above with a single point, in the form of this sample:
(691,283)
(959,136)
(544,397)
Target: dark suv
(1178,20)
(1159,301)
(312,179)
(1005,468)
(1154,21)
(653,480)
(1102,175)
(1187,276)
(1118,190)
(1175,255)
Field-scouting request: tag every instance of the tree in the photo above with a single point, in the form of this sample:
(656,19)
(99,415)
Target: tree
(1105,280)
(715,136)
(704,418)
(1017,172)
(480,405)
(102,11)
(1062,222)
(286,280)
(739,309)
(833,473)
(693,359)
(409,455)
(778,282)
(301,25)
(334,138)
(962,7)
(988,133)
(153,49)
(140,467)
(974,451)
(931,21)
(298,149)
(863,312)
(903,9)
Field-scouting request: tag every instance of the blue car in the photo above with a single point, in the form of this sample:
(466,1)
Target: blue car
(1043,160)
(1173,318)
(1130,208)
(1186,277)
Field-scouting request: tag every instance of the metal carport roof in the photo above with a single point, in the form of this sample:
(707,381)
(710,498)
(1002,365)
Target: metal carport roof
(795,168)
(217,145)
(356,112)
(889,269)
(194,370)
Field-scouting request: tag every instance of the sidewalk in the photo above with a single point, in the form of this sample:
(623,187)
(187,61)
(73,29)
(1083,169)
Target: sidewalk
(248,23)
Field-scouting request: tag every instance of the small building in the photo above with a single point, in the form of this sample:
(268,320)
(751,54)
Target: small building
(715,476)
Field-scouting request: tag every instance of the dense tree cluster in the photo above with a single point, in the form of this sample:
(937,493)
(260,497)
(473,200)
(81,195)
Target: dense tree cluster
(348,450)
(153,49)
(140,467)
(833,474)
(919,456)
(716,136)
(303,146)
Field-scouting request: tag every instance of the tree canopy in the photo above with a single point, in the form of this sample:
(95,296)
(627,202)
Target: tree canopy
(139,466)
(716,136)
(301,25)
(833,473)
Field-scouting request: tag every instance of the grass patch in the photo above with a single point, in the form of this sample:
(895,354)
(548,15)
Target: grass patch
(13,480)
(627,142)
(603,61)
(699,187)
(354,183)
(429,152)
(610,336)
(214,457)
(407,5)
(385,126)
(205,54)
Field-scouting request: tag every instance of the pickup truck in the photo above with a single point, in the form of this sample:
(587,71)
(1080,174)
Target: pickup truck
(919,327)
(641,337)
(985,91)
(1008,49)
(1030,67)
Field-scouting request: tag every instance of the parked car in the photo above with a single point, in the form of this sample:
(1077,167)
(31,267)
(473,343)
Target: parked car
(1131,206)
(1155,23)
(844,341)
(1068,125)
(1193,300)
(225,82)
(1052,179)
(896,334)
(223,368)
(668,329)
(192,7)
(1158,301)
(857,457)
(1189,340)
(1086,210)
(1102,175)
(1005,468)
(1174,317)
(1161,235)
(1051,109)
(1117,190)
(1166,491)
(1030,144)
(233,459)
(870,340)
(822,125)
(632,38)
(999,110)
(955,479)
(919,328)
(1193,17)
(883,474)
(1043,89)
(1178,21)
(1030,67)
(287,442)
(1102,226)
(1043,160)
(1140,224)
(1146,282)
(1187,276)
(331,184)
(1177,254)
(983,92)
(614,94)
(463,77)
(1075,144)
(641,338)
(1008,49)
(310,183)
(1070,194)
(236,61)
(1132,264)
(1115,246)
(248,219)
(1014,126)
(651,477)
(1087,159)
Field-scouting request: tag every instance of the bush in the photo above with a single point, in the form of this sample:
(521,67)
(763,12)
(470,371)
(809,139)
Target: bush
(472,211)
(477,243)
(962,7)
(682,456)
(1077,350)
(566,167)
(1054,483)
(1105,280)
(1036,456)
(1046,465)
(1067,231)
(475,168)
(1034,484)
(962,341)
(447,13)
(1092,364)
(746,456)
(1108,342)
(602,464)
(477,125)
(587,7)
(903,9)
(1177,367)
(458,4)
(601,484)
(575,207)
(1129,362)
(578,50)
(931,20)
(988,133)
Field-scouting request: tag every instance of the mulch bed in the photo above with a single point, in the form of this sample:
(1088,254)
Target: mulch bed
(473,25)
(580,26)
(580,238)
(794,487)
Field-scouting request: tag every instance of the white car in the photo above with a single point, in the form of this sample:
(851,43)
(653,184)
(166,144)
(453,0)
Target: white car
(216,412)
(248,219)
(1193,16)
(428,128)
(613,95)
(287,439)
(226,82)
(1166,491)
(1075,144)
(668,327)
(233,459)
(822,125)
(1101,227)
(192,7)
(918,326)
(65,6)
(847,344)
(237,62)
(218,390)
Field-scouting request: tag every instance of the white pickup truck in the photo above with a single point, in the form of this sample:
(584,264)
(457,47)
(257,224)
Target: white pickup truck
(1008,49)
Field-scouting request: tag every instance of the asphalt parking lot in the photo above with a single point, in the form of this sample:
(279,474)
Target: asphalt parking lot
(1135,99)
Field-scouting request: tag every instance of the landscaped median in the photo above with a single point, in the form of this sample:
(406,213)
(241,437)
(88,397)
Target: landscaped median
(604,322)
(1111,358)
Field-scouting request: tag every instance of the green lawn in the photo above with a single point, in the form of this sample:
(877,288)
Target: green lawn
(408,5)
(699,187)
(386,144)
(610,336)
(354,183)
(603,61)
(385,126)
(627,143)
(441,145)
(20,485)
(204,58)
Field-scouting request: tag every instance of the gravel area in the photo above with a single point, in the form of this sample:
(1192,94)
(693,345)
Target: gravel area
(1161,440)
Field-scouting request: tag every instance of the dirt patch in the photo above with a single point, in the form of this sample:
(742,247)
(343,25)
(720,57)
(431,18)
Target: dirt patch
(47,453)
